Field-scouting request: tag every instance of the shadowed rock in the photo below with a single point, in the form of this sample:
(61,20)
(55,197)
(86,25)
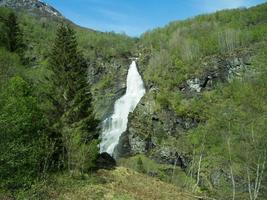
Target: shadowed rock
(105,161)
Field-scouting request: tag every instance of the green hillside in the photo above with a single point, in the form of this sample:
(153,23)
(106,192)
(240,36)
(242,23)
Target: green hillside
(200,131)
(206,100)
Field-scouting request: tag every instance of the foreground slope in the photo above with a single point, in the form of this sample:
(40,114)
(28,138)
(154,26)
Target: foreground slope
(118,184)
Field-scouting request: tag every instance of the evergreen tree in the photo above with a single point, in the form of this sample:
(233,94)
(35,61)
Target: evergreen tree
(13,33)
(72,101)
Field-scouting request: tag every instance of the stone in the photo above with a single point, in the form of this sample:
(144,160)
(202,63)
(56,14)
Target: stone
(194,84)
(105,161)
(168,155)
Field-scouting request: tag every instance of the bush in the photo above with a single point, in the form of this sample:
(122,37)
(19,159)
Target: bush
(22,137)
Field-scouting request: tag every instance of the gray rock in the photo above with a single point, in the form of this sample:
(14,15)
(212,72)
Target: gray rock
(218,68)
(32,5)
(147,128)
(194,84)
(169,155)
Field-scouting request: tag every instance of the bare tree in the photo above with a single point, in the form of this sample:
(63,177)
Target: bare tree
(229,40)
(199,167)
(231,167)
(255,186)
(190,170)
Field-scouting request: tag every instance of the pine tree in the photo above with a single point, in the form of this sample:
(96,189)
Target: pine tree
(72,101)
(13,33)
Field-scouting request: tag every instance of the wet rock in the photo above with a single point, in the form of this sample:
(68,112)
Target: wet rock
(123,149)
(146,128)
(131,144)
(186,123)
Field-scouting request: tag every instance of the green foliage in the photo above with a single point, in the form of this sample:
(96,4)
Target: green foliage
(191,40)
(22,136)
(234,133)
(10,66)
(230,137)
(40,124)
(76,115)
(105,83)
(13,34)
(168,173)
(3,17)
(140,165)
(72,102)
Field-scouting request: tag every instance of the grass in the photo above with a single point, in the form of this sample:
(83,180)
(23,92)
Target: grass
(118,184)
(164,172)
(123,183)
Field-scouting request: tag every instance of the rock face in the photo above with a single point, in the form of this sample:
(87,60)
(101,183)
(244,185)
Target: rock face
(149,127)
(109,84)
(170,156)
(218,68)
(32,5)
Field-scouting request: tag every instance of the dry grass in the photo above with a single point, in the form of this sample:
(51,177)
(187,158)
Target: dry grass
(124,184)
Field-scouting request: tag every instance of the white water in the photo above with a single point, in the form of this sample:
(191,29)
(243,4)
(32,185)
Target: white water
(115,125)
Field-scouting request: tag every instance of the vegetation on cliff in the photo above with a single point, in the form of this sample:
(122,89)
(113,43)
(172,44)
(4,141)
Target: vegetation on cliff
(210,73)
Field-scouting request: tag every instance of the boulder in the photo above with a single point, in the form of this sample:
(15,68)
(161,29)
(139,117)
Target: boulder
(105,161)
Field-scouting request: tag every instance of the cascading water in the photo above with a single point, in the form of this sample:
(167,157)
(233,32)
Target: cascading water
(115,125)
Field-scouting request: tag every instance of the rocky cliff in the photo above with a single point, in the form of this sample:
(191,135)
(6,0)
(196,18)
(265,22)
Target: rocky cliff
(33,6)
(148,126)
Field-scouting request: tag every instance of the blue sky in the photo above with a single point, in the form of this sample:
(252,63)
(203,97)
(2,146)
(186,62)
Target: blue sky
(134,17)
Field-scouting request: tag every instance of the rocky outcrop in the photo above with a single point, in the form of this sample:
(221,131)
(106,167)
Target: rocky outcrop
(218,68)
(147,129)
(32,5)
(149,126)
(105,161)
(109,84)
(169,155)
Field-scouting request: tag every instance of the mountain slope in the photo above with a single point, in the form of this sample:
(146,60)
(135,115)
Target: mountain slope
(205,100)
(32,6)
(202,124)
(107,53)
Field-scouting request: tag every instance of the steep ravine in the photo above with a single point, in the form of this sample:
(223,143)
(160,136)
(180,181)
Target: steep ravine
(157,132)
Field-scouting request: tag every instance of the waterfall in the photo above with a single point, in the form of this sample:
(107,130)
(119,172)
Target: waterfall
(115,125)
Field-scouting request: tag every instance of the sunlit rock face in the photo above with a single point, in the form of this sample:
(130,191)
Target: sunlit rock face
(33,5)
(115,125)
